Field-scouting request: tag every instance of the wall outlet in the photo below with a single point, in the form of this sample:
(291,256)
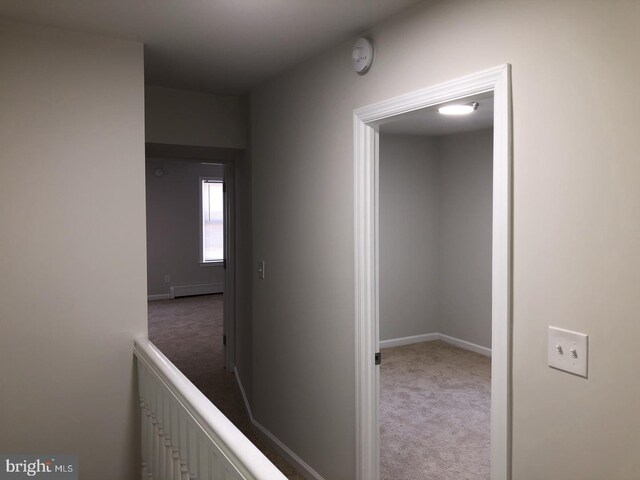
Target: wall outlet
(167,278)
(261,269)
(568,351)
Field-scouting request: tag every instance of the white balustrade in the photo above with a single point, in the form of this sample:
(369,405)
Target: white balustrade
(184,436)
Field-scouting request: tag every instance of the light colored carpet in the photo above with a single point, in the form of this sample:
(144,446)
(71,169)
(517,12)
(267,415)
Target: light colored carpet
(434,413)
(189,332)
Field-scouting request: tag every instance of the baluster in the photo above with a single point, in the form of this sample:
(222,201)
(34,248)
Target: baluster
(204,458)
(143,456)
(175,436)
(192,447)
(182,444)
(166,423)
(163,435)
(148,446)
(143,430)
(147,441)
(156,434)
(168,458)
(217,470)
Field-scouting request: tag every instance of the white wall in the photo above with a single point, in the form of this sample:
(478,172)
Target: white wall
(575,254)
(435,235)
(72,246)
(465,171)
(183,117)
(173,224)
(409,247)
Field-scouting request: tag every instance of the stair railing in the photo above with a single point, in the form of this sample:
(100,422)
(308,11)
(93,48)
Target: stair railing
(184,436)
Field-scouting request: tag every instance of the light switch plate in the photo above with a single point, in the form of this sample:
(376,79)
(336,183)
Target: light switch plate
(568,351)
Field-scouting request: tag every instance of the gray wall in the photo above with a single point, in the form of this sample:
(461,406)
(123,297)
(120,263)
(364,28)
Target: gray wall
(183,117)
(173,224)
(464,225)
(575,256)
(409,253)
(435,235)
(72,246)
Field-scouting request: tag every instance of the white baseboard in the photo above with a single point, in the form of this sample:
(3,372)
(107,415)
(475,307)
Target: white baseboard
(397,342)
(198,289)
(293,459)
(162,296)
(466,345)
(430,337)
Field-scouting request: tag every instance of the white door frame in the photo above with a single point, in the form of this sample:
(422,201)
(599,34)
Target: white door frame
(229,294)
(366,121)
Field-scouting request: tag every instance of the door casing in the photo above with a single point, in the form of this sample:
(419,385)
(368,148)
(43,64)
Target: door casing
(366,175)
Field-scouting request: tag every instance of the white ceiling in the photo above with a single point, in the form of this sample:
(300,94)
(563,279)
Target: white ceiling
(429,122)
(219,46)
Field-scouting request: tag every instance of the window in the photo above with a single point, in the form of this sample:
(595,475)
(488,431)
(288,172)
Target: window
(212,221)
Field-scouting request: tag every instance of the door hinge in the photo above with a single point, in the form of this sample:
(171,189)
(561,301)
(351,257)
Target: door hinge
(224,340)
(224,187)
(378,358)
(224,263)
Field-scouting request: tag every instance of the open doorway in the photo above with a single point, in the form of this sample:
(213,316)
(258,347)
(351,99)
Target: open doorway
(369,123)
(189,242)
(435,194)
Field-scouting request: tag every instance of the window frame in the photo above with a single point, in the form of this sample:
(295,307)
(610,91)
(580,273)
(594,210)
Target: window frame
(202,262)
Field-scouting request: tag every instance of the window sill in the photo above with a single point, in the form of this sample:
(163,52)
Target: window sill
(216,263)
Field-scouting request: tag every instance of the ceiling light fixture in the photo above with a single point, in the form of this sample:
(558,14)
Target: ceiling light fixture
(459,109)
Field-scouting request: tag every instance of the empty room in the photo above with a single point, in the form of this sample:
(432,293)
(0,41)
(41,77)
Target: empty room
(435,210)
(185,254)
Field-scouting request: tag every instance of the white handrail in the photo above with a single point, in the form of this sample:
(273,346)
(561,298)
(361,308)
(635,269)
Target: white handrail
(184,436)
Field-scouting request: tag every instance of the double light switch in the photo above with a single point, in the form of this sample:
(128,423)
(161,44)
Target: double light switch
(568,351)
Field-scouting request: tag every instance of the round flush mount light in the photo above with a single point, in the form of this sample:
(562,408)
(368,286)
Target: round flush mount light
(459,109)
(362,55)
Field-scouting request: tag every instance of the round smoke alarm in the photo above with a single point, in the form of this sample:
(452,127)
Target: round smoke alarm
(362,55)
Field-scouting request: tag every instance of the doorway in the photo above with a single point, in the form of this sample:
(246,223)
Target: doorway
(367,123)
(435,191)
(190,261)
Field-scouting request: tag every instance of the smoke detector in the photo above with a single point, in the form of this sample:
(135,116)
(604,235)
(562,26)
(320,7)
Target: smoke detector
(362,55)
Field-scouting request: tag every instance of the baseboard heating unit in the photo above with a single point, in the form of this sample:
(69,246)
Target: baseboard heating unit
(176,291)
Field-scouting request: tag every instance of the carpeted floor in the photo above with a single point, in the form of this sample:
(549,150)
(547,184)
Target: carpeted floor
(434,398)
(189,332)
(434,413)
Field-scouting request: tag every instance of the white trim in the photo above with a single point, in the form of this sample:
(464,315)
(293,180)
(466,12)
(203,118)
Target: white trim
(466,345)
(229,300)
(430,337)
(207,179)
(398,342)
(366,163)
(197,289)
(300,465)
(366,308)
(161,296)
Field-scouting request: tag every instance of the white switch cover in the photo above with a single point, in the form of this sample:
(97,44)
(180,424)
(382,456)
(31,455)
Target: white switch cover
(568,351)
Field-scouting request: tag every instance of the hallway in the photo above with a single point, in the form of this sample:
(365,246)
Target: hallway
(189,332)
